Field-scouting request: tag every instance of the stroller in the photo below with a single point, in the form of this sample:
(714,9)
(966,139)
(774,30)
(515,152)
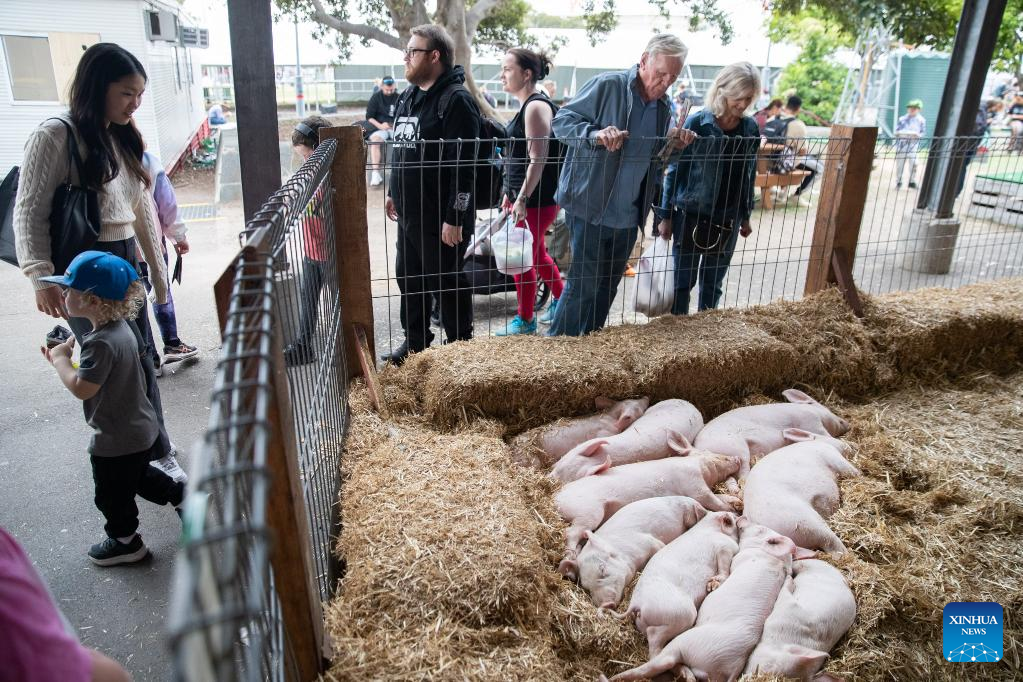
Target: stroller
(480,267)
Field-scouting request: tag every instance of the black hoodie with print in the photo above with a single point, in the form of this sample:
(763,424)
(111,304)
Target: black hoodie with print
(432,182)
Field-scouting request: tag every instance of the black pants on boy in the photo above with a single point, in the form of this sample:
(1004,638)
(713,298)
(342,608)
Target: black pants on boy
(425,267)
(119,479)
(140,325)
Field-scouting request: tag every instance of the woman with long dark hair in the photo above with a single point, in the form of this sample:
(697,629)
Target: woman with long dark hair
(106,90)
(531,179)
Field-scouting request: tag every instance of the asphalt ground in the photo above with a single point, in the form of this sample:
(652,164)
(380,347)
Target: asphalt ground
(46,489)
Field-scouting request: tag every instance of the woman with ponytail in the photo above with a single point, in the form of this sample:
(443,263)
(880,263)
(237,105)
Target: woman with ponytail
(531,179)
(106,90)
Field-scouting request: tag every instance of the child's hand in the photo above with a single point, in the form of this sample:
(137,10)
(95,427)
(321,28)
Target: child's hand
(60,350)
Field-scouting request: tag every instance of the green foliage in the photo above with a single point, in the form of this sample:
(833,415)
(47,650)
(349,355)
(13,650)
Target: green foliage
(541,20)
(505,27)
(917,22)
(1009,49)
(815,76)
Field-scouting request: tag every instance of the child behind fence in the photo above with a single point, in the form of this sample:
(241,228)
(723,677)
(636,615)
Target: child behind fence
(105,290)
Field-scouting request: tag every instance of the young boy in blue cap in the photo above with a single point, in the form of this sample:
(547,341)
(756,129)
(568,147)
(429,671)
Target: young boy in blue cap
(106,290)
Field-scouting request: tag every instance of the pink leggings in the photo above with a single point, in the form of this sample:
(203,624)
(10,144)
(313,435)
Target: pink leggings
(538,220)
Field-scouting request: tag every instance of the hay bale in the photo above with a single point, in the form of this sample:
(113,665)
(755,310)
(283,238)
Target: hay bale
(436,524)
(717,357)
(945,332)
(384,649)
(525,383)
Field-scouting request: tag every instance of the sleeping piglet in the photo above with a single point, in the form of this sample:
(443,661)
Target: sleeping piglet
(543,446)
(815,608)
(732,617)
(648,438)
(793,489)
(585,504)
(751,432)
(622,546)
(677,578)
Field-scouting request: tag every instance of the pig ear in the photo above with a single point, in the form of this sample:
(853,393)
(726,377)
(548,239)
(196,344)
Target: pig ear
(794,395)
(592,448)
(797,435)
(603,403)
(598,468)
(808,661)
(743,522)
(679,443)
(568,568)
(803,553)
(598,543)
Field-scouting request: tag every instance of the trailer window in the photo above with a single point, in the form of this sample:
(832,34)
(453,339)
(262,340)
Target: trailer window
(30,68)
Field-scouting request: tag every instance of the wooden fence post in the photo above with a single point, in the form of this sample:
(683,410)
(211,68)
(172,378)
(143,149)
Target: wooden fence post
(836,232)
(291,552)
(351,237)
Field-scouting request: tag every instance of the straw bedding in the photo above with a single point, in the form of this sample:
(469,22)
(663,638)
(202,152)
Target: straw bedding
(451,550)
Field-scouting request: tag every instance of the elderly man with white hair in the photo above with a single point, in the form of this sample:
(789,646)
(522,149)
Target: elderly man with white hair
(615,129)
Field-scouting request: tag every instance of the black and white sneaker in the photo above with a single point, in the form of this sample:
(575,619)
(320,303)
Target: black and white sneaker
(178,353)
(169,465)
(111,552)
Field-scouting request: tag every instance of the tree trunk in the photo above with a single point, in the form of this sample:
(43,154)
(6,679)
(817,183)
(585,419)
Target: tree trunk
(866,66)
(463,56)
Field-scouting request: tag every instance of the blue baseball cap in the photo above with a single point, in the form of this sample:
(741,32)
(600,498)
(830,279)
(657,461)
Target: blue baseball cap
(104,274)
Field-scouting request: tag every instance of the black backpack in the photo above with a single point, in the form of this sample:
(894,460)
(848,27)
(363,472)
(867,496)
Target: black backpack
(8,191)
(488,186)
(775,131)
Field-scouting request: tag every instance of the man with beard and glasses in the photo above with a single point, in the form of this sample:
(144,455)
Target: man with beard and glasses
(430,190)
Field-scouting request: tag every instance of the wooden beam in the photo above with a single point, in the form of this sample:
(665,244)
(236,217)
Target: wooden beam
(291,552)
(842,268)
(351,235)
(843,195)
(255,97)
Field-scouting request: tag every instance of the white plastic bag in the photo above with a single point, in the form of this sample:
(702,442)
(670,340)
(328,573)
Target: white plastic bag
(513,248)
(655,280)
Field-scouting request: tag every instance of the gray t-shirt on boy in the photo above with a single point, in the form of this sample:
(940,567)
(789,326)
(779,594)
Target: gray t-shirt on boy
(122,418)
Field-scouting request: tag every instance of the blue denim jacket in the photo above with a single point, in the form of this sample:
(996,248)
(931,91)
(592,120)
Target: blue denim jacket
(590,171)
(691,184)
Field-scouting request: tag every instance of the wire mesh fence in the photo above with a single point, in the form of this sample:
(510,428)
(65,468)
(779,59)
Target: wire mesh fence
(261,518)
(711,183)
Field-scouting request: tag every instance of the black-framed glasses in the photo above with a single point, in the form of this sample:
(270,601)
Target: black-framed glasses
(411,51)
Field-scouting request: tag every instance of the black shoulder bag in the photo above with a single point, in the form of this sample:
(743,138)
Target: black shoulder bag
(74,213)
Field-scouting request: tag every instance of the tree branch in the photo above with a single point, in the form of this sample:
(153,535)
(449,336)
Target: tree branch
(478,13)
(321,16)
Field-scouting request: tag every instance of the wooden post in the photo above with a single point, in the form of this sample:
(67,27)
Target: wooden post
(291,553)
(843,194)
(351,237)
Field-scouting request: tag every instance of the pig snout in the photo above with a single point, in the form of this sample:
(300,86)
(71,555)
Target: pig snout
(836,426)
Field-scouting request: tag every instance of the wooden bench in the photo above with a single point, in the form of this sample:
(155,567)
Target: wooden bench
(767,181)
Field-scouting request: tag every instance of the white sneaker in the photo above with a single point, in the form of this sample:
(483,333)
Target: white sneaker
(376,179)
(169,465)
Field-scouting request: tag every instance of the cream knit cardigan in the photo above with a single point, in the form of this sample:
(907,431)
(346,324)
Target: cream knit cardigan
(125,208)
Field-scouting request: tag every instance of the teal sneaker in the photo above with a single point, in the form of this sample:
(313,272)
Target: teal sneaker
(548,315)
(517,326)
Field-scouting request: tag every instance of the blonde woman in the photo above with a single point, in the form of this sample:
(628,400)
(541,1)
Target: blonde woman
(708,193)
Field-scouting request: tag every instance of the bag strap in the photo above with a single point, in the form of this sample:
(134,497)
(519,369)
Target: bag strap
(72,151)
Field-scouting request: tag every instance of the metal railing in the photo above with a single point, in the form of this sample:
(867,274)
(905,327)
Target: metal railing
(791,202)
(262,516)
